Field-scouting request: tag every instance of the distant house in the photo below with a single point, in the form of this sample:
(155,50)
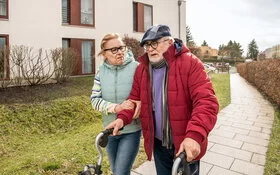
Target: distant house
(81,24)
(273,52)
(207,52)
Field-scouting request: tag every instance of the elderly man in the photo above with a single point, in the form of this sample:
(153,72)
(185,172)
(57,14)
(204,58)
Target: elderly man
(178,103)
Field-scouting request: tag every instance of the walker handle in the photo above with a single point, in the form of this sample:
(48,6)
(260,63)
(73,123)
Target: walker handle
(180,165)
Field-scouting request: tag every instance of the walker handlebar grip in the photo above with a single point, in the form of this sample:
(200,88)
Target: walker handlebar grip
(183,155)
(103,140)
(180,165)
(110,131)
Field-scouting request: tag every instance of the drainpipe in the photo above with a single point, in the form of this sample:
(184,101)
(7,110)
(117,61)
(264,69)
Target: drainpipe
(179,16)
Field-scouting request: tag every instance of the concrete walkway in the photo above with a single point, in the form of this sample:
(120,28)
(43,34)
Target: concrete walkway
(240,139)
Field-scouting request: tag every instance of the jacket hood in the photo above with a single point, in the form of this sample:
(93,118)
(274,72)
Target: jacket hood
(172,52)
(128,58)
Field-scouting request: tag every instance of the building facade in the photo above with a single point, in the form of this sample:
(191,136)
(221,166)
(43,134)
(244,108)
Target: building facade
(81,24)
(207,52)
(273,52)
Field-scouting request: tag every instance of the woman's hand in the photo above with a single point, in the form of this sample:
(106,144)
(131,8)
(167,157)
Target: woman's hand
(127,104)
(116,124)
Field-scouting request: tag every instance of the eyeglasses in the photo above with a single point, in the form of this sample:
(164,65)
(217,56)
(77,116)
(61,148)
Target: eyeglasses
(115,50)
(153,44)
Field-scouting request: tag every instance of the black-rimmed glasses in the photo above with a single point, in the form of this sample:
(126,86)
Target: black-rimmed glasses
(153,44)
(115,50)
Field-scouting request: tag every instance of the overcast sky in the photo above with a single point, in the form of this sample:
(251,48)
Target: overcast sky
(218,21)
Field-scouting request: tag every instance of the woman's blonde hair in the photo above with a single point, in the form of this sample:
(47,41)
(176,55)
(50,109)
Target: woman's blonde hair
(105,39)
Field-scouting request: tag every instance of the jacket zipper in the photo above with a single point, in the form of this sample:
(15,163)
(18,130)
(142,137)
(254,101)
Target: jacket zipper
(116,82)
(151,119)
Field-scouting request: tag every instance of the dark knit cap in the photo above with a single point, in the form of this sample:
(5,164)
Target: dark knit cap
(155,33)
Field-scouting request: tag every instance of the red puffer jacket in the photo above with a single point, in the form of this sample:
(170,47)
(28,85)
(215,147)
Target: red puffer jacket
(192,104)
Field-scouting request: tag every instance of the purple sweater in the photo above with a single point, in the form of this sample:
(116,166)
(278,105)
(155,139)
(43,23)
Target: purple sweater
(158,75)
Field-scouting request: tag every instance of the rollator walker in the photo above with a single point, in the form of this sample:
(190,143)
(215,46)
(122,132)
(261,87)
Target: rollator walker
(180,166)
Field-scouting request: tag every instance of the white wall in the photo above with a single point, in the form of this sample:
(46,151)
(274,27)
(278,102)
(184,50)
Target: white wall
(37,23)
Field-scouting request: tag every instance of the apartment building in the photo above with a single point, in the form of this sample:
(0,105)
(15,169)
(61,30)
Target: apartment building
(81,24)
(273,52)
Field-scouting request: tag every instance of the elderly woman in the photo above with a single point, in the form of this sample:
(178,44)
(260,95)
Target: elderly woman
(111,87)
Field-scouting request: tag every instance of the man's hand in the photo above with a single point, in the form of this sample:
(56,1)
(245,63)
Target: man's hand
(191,147)
(137,109)
(117,124)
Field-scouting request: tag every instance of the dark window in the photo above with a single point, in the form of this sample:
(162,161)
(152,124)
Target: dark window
(65,11)
(3,57)
(78,12)
(4,8)
(142,17)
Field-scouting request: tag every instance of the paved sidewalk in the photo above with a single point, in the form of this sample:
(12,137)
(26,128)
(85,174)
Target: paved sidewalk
(240,139)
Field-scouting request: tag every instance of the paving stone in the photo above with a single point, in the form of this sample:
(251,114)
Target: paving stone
(221,171)
(268,126)
(210,145)
(253,140)
(223,133)
(241,121)
(258,159)
(224,122)
(265,120)
(147,167)
(225,141)
(243,126)
(247,168)
(255,148)
(204,168)
(218,159)
(267,131)
(235,130)
(260,135)
(232,152)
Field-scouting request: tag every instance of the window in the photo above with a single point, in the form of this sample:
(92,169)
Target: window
(65,43)
(87,12)
(78,12)
(4,8)
(3,57)
(65,11)
(87,57)
(85,50)
(142,17)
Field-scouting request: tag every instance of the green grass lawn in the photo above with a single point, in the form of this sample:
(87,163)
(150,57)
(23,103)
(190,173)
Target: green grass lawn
(272,166)
(221,83)
(51,129)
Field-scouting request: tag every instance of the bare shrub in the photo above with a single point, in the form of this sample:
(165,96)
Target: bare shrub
(134,45)
(64,61)
(32,66)
(17,57)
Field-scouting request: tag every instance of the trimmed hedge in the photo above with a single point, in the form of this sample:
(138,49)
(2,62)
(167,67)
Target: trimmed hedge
(265,75)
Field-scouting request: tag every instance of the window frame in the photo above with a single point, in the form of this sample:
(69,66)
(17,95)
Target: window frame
(7,57)
(138,16)
(74,13)
(76,44)
(7,11)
